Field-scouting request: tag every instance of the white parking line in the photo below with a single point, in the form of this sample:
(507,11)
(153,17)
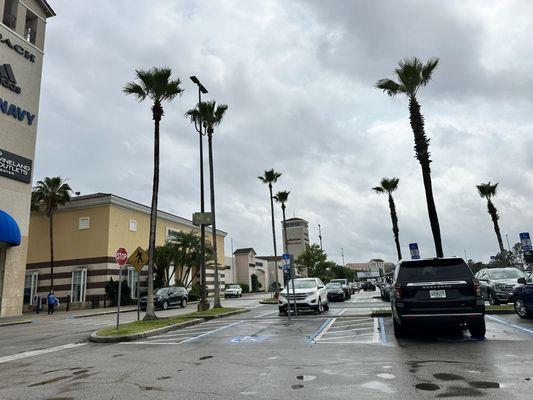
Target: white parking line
(342,311)
(344,337)
(326,328)
(39,352)
(265,314)
(375,338)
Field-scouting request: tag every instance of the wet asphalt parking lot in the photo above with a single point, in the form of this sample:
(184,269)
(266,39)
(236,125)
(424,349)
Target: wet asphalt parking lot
(342,354)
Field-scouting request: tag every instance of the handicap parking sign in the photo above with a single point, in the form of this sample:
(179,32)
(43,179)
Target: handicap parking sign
(526,241)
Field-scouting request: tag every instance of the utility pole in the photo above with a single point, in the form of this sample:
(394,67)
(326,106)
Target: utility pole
(342,252)
(508,245)
(320,236)
(466,258)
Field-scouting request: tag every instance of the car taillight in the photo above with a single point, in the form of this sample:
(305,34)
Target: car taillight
(398,291)
(477,287)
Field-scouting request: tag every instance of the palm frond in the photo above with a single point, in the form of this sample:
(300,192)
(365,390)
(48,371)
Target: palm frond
(486,190)
(427,70)
(282,196)
(378,189)
(390,87)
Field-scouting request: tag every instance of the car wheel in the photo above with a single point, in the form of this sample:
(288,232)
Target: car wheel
(521,309)
(183,303)
(477,328)
(326,306)
(493,301)
(282,311)
(399,330)
(319,308)
(165,305)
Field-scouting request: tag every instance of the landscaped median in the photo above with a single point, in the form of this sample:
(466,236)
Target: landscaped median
(142,329)
(269,300)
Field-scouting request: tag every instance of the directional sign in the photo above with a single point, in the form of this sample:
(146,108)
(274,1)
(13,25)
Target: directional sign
(139,258)
(526,241)
(415,254)
(202,218)
(121,256)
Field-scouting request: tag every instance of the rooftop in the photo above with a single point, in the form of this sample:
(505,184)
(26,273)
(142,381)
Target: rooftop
(244,250)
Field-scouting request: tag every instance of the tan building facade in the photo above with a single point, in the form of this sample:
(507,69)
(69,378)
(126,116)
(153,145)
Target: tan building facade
(22,32)
(297,235)
(87,233)
(246,262)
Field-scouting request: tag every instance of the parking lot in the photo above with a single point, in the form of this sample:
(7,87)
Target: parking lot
(340,354)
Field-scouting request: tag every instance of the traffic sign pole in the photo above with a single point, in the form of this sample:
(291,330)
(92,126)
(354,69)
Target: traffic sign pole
(138,298)
(121,256)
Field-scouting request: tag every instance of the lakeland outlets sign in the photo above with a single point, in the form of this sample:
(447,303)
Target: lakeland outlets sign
(15,167)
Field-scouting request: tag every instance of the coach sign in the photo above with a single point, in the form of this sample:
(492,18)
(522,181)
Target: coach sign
(15,167)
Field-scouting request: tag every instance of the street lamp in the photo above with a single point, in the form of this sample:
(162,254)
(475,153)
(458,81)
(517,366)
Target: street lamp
(203,294)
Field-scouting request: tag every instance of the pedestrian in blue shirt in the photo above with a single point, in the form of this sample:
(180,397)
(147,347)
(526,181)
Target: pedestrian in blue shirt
(52,302)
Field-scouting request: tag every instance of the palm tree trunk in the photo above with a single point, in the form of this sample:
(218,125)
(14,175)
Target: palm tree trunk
(274,239)
(216,299)
(422,154)
(157,112)
(395,229)
(494,215)
(51,227)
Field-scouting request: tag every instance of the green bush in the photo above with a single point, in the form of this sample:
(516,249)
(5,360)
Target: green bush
(194,293)
(111,290)
(245,287)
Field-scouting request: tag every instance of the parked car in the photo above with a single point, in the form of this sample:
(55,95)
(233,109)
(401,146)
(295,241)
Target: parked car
(437,291)
(498,284)
(166,297)
(347,289)
(335,292)
(356,286)
(233,291)
(367,285)
(385,287)
(523,297)
(311,294)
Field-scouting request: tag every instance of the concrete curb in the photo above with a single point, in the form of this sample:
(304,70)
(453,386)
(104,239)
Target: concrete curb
(112,312)
(26,321)
(154,332)
(268,302)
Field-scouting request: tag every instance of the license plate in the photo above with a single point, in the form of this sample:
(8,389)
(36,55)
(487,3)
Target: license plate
(437,294)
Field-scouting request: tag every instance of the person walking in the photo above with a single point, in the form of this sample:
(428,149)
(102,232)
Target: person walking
(52,302)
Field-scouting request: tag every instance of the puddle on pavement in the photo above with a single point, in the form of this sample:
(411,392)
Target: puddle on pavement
(484,385)
(81,371)
(306,378)
(117,355)
(59,378)
(458,391)
(205,357)
(430,387)
(161,378)
(297,386)
(448,377)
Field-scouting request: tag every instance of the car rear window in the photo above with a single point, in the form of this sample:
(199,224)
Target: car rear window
(434,270)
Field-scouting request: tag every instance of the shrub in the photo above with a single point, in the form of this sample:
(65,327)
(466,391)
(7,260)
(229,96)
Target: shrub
(194,293)
(245,287)
(111,290)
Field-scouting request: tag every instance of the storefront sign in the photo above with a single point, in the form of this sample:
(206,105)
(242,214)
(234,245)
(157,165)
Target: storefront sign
(16,112)
(17,48)
(7,78)
(15,167)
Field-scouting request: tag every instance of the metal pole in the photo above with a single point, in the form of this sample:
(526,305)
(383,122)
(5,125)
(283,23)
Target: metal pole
(508,245)
(138,298)
(466,258)
(320,236)
(119,292)
(285,247)
(342,252)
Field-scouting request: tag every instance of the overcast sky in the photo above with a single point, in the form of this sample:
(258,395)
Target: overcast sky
(298,77)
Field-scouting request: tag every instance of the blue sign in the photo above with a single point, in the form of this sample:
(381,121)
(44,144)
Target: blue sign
(413,248)
(285,256)
(286,266)
(526,241)
(16,112)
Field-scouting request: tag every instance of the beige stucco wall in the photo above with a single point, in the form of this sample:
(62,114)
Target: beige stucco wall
(18,137)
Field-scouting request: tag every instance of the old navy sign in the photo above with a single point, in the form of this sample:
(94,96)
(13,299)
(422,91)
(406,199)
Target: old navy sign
(15,167)
(16,112)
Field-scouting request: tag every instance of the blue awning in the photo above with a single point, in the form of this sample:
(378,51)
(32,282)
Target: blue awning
(9,230)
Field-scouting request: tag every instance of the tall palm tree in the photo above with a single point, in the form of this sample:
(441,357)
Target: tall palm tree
(156,85)
(388,186)
(49,195)
(269,177)
(412,74)
(210,115)
(488,191)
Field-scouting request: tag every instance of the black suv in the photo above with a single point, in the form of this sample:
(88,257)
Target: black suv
(167,296)
(437,291)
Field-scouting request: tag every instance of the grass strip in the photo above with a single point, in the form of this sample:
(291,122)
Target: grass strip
(269,301)
(143,326)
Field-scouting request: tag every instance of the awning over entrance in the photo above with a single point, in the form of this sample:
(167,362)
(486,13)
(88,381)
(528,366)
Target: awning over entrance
(9,230)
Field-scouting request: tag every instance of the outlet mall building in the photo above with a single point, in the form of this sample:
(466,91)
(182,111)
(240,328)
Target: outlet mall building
(22,30)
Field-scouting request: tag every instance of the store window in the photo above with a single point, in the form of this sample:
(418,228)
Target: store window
(133,279)
(30,287)
(84,223)
(133,225)
(79,285)
(10,13)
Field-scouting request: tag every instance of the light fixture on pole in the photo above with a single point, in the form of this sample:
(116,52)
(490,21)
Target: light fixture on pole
(203,294)
(320,236)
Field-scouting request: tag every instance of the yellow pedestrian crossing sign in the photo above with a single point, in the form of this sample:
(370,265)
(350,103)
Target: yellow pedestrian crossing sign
(139,258)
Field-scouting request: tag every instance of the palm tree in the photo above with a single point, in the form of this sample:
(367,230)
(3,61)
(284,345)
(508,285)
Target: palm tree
(488,191)
(412,75)
(269,177)
(50,194)
(156,85)
(388,186)
(210,115)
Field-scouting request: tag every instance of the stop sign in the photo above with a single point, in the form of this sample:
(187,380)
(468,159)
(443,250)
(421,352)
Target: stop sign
(121,256)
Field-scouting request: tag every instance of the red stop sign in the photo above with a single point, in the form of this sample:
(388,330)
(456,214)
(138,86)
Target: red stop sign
(121,256)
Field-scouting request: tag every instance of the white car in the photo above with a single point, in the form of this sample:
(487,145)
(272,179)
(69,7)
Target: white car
(233,291)
(311,294)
